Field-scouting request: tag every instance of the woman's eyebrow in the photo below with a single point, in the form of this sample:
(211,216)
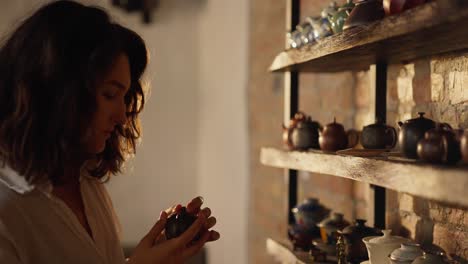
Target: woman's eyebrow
(118,84)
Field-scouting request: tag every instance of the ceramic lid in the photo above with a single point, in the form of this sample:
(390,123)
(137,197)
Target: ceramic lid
(429,259)
(407,252)
(308,205)
(387,238)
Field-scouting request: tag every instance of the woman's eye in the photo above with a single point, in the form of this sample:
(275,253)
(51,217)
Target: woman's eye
(109,95)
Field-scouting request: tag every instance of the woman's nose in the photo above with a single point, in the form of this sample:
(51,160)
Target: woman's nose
(121,115)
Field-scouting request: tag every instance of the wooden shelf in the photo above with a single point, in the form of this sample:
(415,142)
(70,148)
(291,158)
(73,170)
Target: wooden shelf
(283,253)
(440,183)
(434,28)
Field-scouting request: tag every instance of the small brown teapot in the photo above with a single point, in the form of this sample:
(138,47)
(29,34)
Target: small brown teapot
(439,145)
(411,132)
(379,136)
(333,137)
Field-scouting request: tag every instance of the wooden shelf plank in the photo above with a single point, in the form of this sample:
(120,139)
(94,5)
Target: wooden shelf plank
(432,29)
(441,183)
(283,253)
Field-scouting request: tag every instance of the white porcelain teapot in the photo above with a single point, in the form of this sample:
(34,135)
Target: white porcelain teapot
(379,247)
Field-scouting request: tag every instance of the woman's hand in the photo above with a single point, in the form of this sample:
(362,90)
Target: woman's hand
(194,207)
(154,248)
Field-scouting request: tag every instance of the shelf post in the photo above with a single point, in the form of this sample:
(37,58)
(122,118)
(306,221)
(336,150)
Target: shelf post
(379,204)
(291,103)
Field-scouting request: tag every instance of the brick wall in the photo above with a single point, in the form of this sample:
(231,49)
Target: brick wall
(434,86)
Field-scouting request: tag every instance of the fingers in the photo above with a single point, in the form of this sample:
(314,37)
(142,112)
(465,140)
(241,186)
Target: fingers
(210,222)
(213,236)
(193,207)
(206,211)
(174,209)
(156,230)
(196,246)
(190,233)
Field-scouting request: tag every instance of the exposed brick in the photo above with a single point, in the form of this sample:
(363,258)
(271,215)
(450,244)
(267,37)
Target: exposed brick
(453,241)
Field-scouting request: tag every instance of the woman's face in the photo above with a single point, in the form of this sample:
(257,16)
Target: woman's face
(110,105)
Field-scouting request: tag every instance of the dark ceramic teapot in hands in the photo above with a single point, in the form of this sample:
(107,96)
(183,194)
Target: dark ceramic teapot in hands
(179,223)
(411,132)
(439,145)
(379,136)
(333,137)
(353,235)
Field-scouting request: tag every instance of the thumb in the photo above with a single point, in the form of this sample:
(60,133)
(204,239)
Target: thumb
(158,227)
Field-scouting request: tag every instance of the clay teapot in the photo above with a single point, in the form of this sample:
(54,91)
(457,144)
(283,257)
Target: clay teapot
(333,137)
(353,235)
(464,145)
(379,136)
(439,145)
(179,223)
(411,132)
(302,133)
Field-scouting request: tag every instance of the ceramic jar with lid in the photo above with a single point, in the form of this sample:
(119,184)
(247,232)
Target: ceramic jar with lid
(353,235)
(379,247)
(411,131)
(309,213)
(406,254)
(439,145)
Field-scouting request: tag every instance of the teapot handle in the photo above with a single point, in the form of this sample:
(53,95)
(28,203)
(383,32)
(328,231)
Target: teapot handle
(445,126)
(394,135)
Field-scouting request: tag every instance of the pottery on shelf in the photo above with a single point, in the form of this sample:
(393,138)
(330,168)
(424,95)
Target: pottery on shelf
(464,146)
(439,145)
(301,237)
(353,235)
(411,131)
(309,213)
(302,133)
(428,258)
(379,136)
(339,18)
(330,226)
(365,12)
(380,247)
(406,254)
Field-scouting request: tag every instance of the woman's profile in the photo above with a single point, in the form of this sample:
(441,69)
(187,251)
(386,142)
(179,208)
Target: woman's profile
(70,96)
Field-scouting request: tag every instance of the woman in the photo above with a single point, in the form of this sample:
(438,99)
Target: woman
(70,95)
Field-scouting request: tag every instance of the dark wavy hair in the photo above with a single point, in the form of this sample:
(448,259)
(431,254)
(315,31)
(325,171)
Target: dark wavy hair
(49,67)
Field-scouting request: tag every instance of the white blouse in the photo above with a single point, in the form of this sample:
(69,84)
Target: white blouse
(37,227)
